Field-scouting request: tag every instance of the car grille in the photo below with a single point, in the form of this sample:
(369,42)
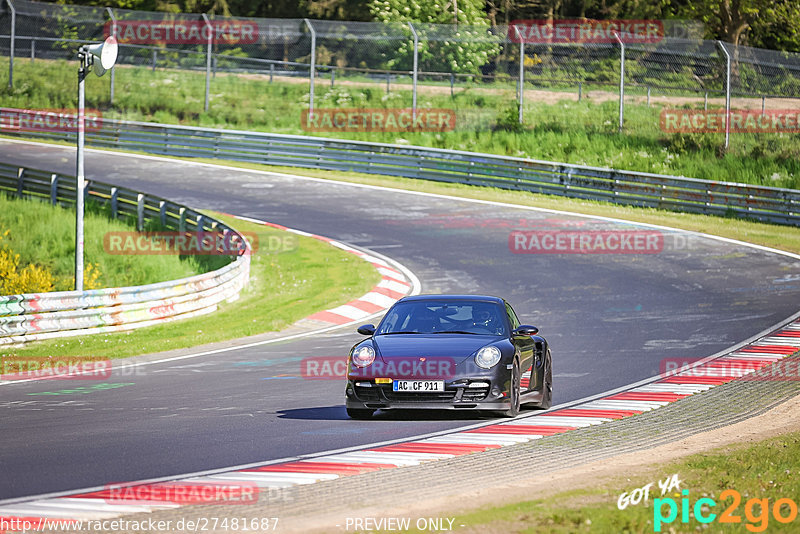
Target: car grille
(475,394)
(439,396)
(367,393)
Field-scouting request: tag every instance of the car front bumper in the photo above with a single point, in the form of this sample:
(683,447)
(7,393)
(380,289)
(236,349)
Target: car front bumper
(457,395)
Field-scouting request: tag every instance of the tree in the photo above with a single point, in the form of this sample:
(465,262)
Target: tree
(463,47)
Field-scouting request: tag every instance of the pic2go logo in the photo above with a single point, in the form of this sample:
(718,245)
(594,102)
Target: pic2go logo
(756,511)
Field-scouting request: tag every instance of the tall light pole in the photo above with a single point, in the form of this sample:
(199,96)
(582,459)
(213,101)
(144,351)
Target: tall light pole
(106,52)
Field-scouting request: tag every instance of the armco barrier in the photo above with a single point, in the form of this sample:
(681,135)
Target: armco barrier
(768,204)
(68,313)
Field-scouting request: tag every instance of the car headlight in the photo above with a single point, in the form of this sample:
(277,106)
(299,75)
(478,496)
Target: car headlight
(363,356)
(487,357)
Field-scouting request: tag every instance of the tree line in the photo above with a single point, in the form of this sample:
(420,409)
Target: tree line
(773,24)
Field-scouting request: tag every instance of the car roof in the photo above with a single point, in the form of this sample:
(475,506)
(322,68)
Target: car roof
(474,298)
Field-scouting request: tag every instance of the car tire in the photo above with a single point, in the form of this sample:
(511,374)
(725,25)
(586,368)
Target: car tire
(514,392)
(547,386)
(359,413)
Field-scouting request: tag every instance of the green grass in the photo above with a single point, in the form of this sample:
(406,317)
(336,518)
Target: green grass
(45,235)
(767,470)
(567,131)
(287,283)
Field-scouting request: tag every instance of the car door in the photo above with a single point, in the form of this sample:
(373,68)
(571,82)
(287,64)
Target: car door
(525,347)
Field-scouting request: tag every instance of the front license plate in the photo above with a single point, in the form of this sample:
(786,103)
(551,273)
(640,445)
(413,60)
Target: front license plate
(417,386)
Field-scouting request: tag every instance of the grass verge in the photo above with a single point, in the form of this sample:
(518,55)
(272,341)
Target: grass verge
(45,235)
(558,128)
(287,283)
(767,470)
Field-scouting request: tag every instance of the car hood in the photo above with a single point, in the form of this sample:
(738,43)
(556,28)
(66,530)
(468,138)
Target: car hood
(456,346)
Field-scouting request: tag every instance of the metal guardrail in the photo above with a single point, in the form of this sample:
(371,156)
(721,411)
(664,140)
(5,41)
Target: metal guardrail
(768,204)
(39,316)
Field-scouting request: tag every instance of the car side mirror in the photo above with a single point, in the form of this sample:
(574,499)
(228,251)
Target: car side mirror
(526,330)
(366,330)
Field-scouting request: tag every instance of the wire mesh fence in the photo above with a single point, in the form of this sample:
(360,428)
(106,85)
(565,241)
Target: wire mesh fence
(493,76)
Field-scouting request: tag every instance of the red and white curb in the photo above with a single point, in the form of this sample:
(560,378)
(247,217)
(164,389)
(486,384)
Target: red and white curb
(393,286)
(329,466)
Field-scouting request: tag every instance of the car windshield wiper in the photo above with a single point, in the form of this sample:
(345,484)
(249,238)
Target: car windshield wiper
(456,332)
(398,332)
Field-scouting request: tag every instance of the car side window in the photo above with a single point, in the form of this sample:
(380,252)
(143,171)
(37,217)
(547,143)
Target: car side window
(512,317)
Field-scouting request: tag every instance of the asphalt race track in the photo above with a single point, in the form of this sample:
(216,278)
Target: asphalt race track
(610,319)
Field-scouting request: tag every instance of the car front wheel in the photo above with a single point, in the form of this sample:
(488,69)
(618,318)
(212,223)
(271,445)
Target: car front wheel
(513,392)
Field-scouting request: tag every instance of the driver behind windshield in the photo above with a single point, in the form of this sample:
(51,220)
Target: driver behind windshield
(484,318)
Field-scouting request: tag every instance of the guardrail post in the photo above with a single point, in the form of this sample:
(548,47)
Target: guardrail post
(199,222)
(312,68)
(333,77)
(33,49)
(580,91)
(721,46)
(114,202)
(53,189)
(140,212)
(414,73)
(182,220)
(271,71)
(155,58)
(11,42)
(20,181)
(162,213)
(208,58)
(114,34)
(621,79)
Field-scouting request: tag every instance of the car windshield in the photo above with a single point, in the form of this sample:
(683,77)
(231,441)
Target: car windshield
(444,317)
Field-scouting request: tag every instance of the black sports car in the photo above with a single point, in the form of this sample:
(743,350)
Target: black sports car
(449,352)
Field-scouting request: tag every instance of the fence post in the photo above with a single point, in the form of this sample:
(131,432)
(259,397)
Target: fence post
(12,41)
(621,80)
(727,93)
(521,88)
(414,74)
(113,69)
(208,58)
(33,49)
(313,67)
